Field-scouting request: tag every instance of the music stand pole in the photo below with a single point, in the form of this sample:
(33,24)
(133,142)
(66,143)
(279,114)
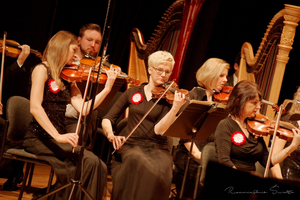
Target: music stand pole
(194,131)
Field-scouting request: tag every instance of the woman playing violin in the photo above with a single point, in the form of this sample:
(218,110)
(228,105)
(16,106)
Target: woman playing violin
(47,136)
(211,77)
(291,165)
(236,146)
(142,166)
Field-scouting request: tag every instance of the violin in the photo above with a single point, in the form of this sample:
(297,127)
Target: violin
(157,92)
(223,95)
(12,49)
(260,126)
(80,73)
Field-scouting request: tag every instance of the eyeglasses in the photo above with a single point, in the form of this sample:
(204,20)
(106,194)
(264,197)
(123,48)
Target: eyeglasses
(256,103)
(159,71)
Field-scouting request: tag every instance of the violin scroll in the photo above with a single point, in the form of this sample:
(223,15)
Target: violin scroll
(274,106)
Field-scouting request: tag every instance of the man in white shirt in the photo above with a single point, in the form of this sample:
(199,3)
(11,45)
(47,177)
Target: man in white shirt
(89,44)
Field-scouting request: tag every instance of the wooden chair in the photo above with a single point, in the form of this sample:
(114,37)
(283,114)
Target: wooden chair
(16,126)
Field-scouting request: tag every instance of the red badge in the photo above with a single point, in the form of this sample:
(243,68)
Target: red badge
(53,86)
(137,98)
(238,138)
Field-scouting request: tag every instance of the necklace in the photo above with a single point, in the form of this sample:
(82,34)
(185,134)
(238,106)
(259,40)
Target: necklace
(242,125)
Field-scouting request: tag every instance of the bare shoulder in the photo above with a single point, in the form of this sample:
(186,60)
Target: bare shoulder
(40,68)
(39,72)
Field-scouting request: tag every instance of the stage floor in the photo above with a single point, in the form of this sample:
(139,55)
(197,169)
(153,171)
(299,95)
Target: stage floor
(40,180)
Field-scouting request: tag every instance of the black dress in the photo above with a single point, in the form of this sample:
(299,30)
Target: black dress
(142,168)
(39,142)
(242,152)
(290,167)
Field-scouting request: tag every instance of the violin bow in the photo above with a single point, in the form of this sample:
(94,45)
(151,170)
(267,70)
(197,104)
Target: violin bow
(83,101)
(2,63)
(137,125)
(274,136)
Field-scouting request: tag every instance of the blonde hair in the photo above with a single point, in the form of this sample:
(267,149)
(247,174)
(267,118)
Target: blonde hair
(210,71)
(161,57)
(56,53)
(296,106)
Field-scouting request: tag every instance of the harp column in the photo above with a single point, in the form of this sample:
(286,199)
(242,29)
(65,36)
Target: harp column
(291,19)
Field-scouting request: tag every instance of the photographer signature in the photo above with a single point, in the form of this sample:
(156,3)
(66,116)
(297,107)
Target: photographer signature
(272,190)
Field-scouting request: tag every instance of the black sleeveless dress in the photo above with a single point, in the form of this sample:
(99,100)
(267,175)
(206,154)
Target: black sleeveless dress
(60,155)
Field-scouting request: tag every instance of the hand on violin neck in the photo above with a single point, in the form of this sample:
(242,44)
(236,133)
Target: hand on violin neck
(113,71)
(179,100)
(112,74)
(23,55)
(296,138)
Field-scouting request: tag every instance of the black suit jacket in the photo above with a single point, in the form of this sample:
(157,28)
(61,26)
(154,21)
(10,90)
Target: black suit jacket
(229,81)
(11,83)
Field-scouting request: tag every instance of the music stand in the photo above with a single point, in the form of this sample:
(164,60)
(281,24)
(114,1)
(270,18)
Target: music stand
(197,121)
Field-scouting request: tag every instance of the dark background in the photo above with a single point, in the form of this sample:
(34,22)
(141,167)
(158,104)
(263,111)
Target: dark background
(220,30)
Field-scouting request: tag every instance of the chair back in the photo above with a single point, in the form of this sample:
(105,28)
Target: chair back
(208,154)
(19,116)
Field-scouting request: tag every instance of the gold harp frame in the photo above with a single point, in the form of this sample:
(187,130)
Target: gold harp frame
(280,30)
(172,34)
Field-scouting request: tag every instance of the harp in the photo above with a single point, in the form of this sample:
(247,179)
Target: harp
(267,67)
(172,34)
